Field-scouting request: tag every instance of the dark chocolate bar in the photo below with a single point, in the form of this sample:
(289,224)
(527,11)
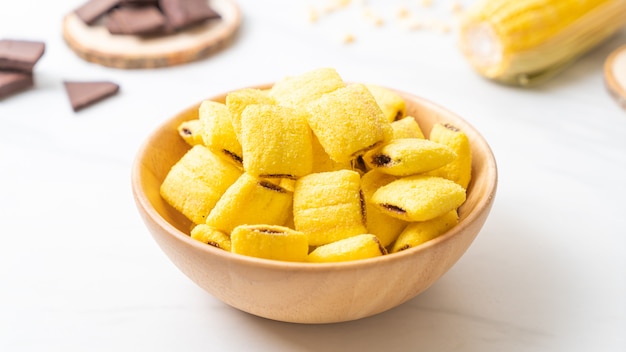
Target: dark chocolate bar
(185,13)
(84,94)
(92,10)
(135,20)
(14,82)
(20,55)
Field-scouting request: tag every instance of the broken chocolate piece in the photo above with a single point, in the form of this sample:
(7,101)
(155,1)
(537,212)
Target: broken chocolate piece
(184,13)
(135,20)
(84,94)
(20,55)
(139,2)
(14,82)
(92,10)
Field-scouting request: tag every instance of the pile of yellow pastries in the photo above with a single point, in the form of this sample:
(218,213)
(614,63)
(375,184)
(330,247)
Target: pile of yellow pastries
(314,169)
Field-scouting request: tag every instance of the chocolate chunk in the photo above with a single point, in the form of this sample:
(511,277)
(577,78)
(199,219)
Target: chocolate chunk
(92,10)
(139,2)
(184,13)
(14,82)
(135,20)
(20,55)
(84,94)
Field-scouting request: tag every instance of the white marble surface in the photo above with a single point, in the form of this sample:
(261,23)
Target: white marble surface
(79,271)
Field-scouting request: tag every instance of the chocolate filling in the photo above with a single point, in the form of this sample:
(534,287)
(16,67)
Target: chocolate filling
(381,160)
(291,177)
(451,127)
(363,207)
(267,230)
(271,186)
(234,156)
(393,208)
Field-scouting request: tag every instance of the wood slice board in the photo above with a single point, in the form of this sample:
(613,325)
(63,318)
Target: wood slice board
(615,75)
(95,43)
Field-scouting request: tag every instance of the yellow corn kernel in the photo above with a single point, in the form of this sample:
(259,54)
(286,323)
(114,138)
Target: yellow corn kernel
(521,42)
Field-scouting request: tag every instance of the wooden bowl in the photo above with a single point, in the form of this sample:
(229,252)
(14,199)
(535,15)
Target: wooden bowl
(309,292)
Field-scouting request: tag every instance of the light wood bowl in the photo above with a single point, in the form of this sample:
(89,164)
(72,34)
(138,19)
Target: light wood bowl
(309,292)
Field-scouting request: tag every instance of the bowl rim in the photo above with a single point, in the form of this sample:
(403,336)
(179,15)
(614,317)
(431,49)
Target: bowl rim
(142,201)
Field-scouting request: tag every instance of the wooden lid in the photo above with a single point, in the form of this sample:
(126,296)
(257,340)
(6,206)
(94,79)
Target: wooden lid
(96,44)
(615,75)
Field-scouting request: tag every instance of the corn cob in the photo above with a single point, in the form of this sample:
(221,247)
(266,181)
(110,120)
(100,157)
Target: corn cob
(524,42)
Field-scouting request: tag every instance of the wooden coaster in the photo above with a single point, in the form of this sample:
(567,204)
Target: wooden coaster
(615,75)
(95,44)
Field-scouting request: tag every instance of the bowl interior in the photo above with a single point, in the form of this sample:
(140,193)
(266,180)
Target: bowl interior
(242,281)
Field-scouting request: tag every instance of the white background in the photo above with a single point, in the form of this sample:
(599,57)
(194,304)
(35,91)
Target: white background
(80,272)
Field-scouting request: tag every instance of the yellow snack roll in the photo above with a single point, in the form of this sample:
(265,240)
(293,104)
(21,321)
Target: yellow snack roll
(409,156)
(384,226)
(352,248)
(406,127)
(270,242)
(250,200)
(191,132)
(420,232)
(419,197)
(238,100)
(458,170)
(211,236)
(328,206)
(197,181)
(276,141)
(392,104)
(297,91)
(218,133)
(348,122)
